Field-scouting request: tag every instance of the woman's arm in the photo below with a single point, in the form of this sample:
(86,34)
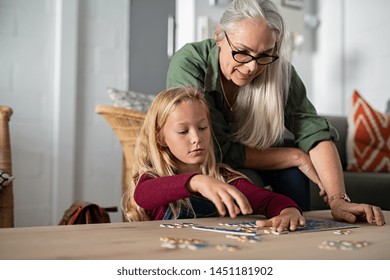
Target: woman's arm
(281,158)
(322,166)
(327,164)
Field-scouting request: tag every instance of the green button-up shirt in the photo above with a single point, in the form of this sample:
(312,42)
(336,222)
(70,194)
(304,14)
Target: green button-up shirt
(196,64)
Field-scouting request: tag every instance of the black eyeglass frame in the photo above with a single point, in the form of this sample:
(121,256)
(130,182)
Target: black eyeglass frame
(255,58)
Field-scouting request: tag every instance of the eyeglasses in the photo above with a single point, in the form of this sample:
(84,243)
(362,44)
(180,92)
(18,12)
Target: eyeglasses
(244,57)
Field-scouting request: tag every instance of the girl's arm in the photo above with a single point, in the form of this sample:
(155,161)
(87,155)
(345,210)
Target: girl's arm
(283,212)
(263,201)
(225,197)
(152,193)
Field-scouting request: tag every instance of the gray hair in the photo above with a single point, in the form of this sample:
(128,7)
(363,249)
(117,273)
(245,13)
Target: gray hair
(259,108)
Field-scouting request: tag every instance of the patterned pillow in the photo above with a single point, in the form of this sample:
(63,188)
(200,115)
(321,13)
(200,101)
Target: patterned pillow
(368,143)
(130,99)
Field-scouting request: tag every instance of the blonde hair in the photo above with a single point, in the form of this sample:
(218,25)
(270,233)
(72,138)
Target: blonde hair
(259,108)
(153,159)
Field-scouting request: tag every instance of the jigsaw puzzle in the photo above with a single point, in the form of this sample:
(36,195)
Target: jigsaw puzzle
(311,225)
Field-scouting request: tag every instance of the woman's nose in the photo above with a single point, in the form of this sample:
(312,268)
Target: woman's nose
(251,65)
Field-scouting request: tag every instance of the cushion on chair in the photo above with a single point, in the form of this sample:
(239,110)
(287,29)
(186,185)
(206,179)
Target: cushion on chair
(130,99)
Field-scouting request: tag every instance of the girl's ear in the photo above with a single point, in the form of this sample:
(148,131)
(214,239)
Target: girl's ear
(160,139)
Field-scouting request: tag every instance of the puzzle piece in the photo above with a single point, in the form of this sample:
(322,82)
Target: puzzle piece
(240,224)
(182,243)
(342,245)
(227,247)
(224,230)
(176,225)
(243,238)
(318,225)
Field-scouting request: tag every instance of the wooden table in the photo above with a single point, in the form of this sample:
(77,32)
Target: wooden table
(141,241)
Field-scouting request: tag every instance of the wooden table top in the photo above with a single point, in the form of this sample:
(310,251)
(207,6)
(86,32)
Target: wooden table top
(141,241)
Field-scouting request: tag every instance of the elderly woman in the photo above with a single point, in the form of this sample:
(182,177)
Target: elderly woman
(254,93)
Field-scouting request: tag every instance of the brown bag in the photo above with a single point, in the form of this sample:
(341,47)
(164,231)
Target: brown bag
(83,212)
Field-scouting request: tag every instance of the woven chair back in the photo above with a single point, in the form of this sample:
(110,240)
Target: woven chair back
(6,192)
(126,125)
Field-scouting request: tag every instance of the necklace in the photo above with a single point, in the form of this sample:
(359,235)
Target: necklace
(226,99)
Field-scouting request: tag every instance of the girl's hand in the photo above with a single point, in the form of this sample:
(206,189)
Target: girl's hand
(223,195)
(288,219)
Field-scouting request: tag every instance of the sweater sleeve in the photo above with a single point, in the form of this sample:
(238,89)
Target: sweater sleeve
(152,193)
(263,201)
(302,120)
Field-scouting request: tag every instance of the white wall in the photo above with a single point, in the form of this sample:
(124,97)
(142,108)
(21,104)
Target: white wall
(352,52)
(26,75)
(185,22)
(367,51)
(102,62)
(327,90)
(56,60)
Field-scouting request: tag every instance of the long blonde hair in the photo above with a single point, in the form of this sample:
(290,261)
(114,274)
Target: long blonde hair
(259,108)
(155,160)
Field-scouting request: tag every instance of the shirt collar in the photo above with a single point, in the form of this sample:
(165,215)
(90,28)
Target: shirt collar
(212,73)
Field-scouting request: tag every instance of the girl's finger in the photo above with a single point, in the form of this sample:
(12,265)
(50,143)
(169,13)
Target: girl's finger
(219,205)
(229,203)
(241,201)
(263,223)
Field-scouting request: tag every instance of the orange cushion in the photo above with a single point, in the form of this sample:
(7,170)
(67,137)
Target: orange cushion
(368,143)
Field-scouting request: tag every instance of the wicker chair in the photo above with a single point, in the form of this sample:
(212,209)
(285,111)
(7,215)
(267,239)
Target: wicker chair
(6,188)
(126,125)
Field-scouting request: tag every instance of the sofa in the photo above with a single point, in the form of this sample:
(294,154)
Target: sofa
(361,187)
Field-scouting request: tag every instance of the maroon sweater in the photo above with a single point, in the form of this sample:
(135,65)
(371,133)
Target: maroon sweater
(154,195)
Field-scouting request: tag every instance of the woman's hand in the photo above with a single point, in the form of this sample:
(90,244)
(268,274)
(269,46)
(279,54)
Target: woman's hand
(288,219)
(352,212)
(223,195)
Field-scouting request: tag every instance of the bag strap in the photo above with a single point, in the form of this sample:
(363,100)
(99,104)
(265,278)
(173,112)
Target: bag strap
(111,209)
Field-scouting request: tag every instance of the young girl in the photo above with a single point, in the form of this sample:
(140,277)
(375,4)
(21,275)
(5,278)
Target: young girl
(175,174)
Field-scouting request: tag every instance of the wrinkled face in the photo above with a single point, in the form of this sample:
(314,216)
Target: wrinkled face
(254,38)
(187,135)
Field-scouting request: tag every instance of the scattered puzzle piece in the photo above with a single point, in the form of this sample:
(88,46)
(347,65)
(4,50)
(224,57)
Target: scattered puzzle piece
(342,245)
(227,247)
(342,232)
(176,225)
(242,238)
(182,243)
